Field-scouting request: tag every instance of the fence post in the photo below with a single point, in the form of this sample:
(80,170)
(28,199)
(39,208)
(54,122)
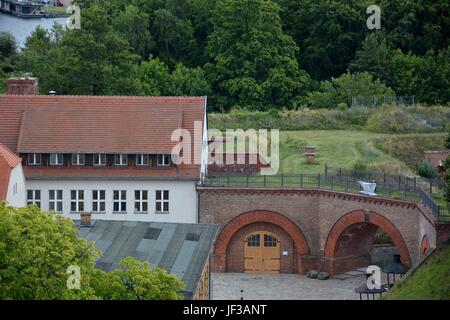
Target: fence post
(318,180)
(301,180)
(347,184)
(282,179)
(265,180)
(431,186)
(331,182)
(228,180)
(247,180)
(340,171)
(326,170)
(415,183)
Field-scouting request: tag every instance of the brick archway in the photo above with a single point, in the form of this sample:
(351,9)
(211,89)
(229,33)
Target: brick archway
(360,217)
(245,219)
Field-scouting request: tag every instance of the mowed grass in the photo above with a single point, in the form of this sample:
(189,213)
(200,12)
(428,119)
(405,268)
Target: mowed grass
(336,148)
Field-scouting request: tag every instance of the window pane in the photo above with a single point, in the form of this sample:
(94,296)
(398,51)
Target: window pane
(60,194)
(158,194)
(81,206)
(94,206)
(59,206)
(38,203)
(51,194)
(95,194)
(102,206)
(137,206)
(30,194)
(116,206)
(166,194)
(73,206)
(73,194)
(37,194)
(145,195)
(158,206)
(116,195)
(51,206)
(124,194)
(166,206)
(145,206)
(137,195)
(102,194)
(123,206)
(80,194)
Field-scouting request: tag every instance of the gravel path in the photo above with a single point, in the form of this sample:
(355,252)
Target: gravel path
(228,286)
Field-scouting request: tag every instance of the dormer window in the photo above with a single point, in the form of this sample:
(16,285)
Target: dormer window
(99,159)
(56,159)
(163,159)
(121,159)
(34,159)
(142,159)
(78,159)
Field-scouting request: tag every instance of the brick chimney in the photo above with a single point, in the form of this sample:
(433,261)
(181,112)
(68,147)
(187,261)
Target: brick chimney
(25,85)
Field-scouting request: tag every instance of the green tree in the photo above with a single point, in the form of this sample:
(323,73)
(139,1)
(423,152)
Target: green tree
(374,57)
(135,280)
(253,63)
(447,140)
(134,26)
(189,82)
(344,88)
(327,32)
(447,180)
(154,77)
(36,249)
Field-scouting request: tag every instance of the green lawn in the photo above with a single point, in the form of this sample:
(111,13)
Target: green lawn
(430,282)
(336,148)
(343,148)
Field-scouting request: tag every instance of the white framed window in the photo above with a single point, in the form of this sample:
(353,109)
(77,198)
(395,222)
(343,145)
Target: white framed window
(142,160)
(55,200)
(78,159)
(99,159)
(121,159)
(98,201)
(76,200)
(120,201)
(34,197)
(56,159)
(163,160)
(34,159)
(141,201)
(162,200)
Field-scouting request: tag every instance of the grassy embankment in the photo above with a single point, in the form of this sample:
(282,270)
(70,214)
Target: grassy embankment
(431,281)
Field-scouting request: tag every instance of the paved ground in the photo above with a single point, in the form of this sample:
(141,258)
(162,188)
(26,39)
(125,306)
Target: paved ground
(228,286)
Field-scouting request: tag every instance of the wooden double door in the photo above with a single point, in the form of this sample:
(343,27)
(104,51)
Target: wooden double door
(261,253)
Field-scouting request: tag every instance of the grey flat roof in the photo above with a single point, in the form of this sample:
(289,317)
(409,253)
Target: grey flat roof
(179,248)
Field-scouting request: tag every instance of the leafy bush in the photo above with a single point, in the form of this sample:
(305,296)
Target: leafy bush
(343,89)
(427,170)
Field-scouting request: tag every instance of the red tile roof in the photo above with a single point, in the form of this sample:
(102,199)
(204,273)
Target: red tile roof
(89,124)
(8,161)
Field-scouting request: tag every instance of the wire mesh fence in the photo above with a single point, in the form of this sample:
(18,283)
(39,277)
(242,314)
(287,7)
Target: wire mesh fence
(377,101)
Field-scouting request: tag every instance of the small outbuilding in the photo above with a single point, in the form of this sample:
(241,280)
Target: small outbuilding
(181,249)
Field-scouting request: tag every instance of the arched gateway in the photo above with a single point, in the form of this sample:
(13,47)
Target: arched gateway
(260,242)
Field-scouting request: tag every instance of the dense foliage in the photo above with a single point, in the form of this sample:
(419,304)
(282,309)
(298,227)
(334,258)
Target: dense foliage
(36,249)
(254,54)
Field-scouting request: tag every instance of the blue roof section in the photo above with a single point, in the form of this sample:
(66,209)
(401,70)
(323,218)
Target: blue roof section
(181,249)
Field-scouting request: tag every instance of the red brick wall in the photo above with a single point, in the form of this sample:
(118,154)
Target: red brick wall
(315,212)
(23,86)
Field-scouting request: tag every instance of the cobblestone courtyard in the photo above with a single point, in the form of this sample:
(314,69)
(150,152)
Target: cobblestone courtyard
(228,286)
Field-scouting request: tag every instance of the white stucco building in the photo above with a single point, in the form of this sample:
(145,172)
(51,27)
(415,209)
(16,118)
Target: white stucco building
(116,157)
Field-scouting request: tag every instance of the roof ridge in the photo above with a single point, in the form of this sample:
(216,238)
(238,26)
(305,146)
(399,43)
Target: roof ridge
(99,96)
